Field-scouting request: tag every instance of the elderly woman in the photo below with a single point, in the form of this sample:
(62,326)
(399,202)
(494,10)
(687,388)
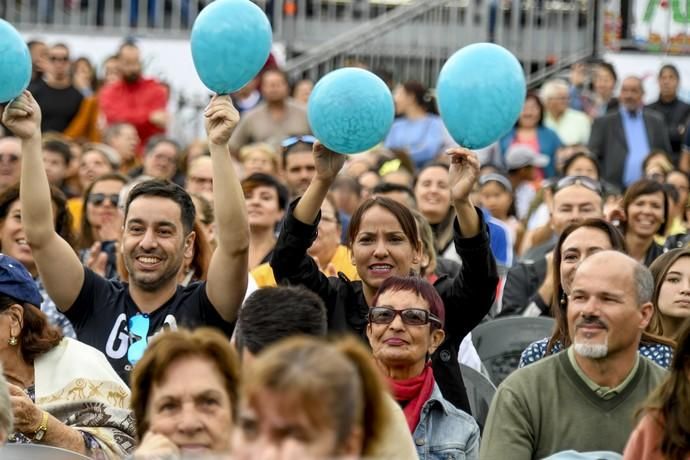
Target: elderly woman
(64,393)
(185,394)
(306,399)
(405,328)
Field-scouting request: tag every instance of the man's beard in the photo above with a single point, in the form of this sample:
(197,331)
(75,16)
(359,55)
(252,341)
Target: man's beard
(592,350)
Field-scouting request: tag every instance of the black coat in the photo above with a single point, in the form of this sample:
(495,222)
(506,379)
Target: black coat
(467,297)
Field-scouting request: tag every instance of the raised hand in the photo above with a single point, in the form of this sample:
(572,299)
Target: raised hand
(221,117)
(328,163)
(463,173)
(23,116)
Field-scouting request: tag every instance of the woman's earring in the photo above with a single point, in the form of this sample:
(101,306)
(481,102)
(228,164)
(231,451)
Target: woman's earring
(13,341)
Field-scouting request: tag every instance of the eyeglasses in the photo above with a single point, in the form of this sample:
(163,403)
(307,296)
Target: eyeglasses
(59,59)
(290,141)
(584,181)
(138,326)
(97,199)
(409,316)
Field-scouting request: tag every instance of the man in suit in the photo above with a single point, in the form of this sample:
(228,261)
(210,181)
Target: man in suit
(622,139)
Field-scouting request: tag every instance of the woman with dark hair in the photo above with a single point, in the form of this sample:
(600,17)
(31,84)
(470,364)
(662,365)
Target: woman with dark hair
(663,432)
(185,395)
(384,242)
(529,130)
(576,243)
(305,398)
(65,394)
(13,243)
(671,292)
(644,216)
(406,326)
(418,130)
(101,226)
(266,200)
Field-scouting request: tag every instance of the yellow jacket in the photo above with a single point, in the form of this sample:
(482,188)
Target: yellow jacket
(263,275)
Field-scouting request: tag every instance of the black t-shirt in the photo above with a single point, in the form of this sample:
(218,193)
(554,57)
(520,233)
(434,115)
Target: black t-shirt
(102,310)
(58,106)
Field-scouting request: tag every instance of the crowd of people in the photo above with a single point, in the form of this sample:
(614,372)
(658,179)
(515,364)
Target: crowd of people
(159,300)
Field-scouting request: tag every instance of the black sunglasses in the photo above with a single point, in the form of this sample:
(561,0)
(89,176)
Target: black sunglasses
(409,316)
(584,181)
(97,199)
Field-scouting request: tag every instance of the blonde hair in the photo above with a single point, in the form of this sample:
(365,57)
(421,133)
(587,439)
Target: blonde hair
(335,382)
(263,147)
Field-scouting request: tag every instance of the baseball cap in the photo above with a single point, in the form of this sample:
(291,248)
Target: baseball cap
(16,282)
(520,156)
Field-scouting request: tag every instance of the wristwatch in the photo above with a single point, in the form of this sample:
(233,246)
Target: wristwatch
(42,428)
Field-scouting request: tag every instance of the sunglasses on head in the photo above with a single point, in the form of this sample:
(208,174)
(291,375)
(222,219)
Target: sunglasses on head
(138,326)
(409,316)
(584,181)
(97,199)
(290,141)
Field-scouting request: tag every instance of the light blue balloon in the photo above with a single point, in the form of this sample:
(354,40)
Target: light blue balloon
(481,90)
(350,110)
(15,63)
(231,42)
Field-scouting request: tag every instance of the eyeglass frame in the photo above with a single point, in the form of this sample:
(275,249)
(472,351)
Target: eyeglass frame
(429,317)
(98,199)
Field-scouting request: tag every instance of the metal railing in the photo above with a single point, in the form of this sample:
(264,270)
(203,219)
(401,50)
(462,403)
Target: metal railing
(411,38)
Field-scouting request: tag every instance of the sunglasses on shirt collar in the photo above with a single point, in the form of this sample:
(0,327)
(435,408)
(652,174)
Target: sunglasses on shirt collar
(138,327)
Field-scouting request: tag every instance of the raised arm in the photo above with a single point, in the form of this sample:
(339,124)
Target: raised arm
(327,164)
(229,266)
(462,175)
(58,265)
(290,261)
(469,296)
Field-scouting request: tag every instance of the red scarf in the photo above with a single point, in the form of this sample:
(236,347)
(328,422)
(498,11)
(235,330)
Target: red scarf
(414,392)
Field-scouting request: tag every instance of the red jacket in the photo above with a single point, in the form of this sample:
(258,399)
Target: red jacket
(133,103)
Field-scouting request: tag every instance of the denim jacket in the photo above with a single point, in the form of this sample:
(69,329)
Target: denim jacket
(445,432)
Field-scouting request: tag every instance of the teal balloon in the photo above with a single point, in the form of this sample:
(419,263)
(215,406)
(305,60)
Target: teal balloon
(350,110)
(15,63)
(481,90)
(231,42)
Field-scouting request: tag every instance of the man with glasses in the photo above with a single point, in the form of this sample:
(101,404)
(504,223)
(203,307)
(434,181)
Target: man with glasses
(10,162)
(528,291)
(274,119)
(119,318)
(59,100)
